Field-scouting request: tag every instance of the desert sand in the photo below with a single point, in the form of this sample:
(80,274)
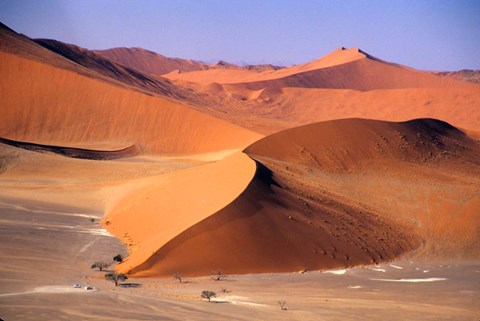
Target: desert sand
(345,186)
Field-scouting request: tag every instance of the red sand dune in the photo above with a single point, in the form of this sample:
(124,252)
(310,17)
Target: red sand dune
(85,112)
(287,220)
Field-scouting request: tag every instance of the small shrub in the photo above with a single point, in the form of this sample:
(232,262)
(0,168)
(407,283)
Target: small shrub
(283,305)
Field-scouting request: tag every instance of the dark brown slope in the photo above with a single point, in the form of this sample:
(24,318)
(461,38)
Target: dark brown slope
(150,62)
(111,69)
(310,205)
(464,74)
(74,152)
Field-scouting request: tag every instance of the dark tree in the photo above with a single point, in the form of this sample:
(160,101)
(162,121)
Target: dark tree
(208,295)
(115,277)
(118,258)
(100,265)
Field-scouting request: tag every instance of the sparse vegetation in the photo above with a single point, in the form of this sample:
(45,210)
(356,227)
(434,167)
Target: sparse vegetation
(177,276)
(225,290)
(208,295)
(118,258)
(283,305)
(115,277)
(218,275)
(100,265)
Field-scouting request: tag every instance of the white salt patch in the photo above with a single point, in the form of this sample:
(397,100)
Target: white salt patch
(425,271)
(234,299)
(355,287)
(396,267)
(411,280)
(379,270)
(337,272)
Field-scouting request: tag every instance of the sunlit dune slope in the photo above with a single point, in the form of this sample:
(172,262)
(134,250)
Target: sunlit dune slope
(309,204)
(47,105)
(458,106)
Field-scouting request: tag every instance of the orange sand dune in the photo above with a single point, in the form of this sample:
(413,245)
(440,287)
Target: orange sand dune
(47,105)
(294,216)
(341,69)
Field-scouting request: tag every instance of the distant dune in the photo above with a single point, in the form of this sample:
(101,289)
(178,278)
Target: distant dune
(150,62)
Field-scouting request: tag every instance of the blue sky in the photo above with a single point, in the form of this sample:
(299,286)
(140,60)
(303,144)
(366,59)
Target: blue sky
(432,35)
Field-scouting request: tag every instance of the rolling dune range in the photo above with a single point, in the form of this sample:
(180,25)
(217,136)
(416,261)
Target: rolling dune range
(341,162)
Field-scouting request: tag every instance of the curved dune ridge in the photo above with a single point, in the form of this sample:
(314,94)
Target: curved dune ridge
(290,218)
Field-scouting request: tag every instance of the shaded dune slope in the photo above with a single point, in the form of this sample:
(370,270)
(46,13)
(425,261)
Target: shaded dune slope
(288,218)
(74,152)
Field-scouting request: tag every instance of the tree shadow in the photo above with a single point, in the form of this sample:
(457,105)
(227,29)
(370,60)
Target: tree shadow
(130,285)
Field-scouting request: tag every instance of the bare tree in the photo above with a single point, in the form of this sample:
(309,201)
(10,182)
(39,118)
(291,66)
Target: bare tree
(100,265)
(115,277)
(218,275)
(177,276)
(283,305)
(208,295)
(92,219)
